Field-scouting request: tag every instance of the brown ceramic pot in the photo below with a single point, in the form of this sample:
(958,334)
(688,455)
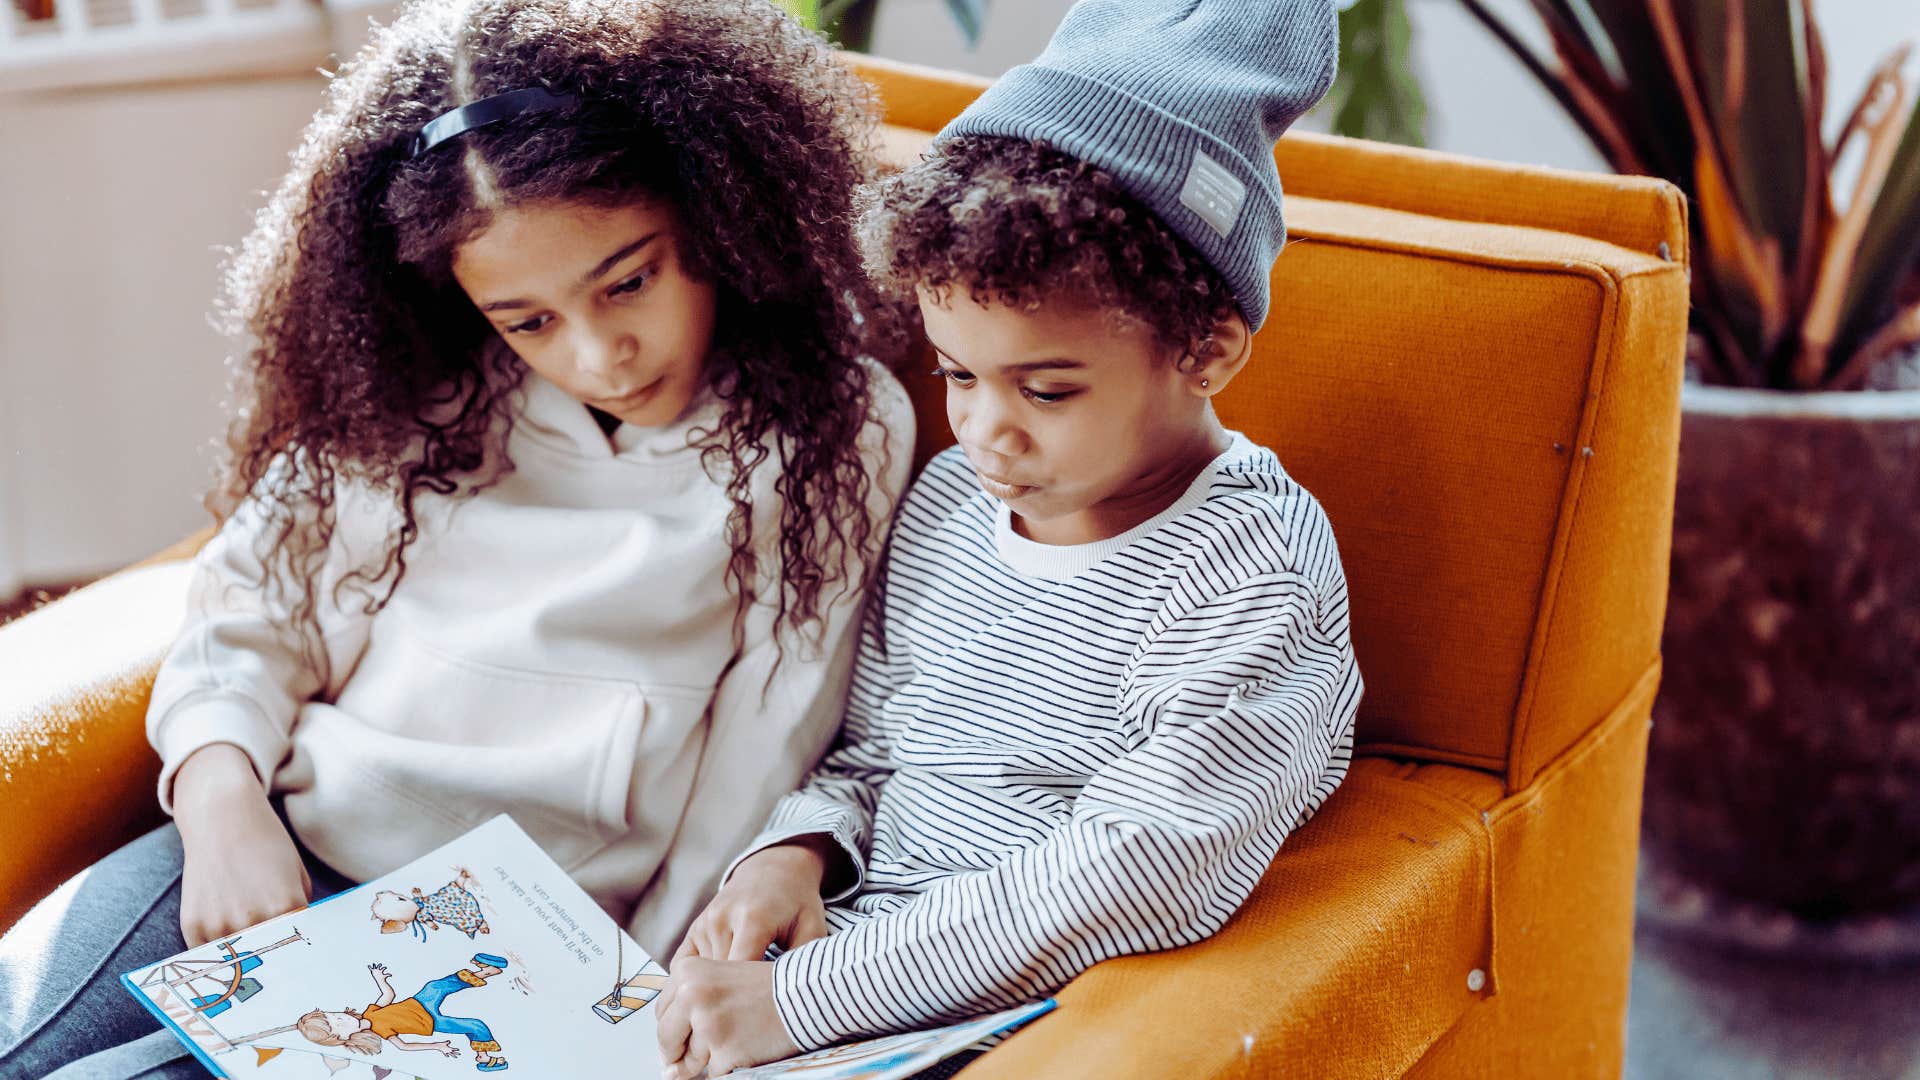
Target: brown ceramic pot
(1785,757)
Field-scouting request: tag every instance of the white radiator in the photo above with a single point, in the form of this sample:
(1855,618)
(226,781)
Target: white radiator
(117,42)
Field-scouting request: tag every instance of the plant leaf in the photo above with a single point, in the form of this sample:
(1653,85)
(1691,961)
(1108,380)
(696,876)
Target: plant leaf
(1743,272)
(1649,102)
(1816,208)
(848,23)
(1725,99)
(1375,94)
(1580,85)
(1889,250)
(1736,272)
(1568,22)
(1750,62)
(972,16)
(807,11)
(1876,120)
(1589,78)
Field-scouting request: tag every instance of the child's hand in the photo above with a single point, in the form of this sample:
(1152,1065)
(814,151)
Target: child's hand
(773,896)
(241,866)
(718,1015)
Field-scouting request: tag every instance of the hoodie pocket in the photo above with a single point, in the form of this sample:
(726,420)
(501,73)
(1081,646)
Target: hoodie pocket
(421,736)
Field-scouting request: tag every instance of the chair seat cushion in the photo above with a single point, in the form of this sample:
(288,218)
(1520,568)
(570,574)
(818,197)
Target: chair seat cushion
(1356,952)
(75,768)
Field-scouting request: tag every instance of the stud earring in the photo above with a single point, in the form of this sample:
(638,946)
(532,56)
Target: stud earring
(1203,384)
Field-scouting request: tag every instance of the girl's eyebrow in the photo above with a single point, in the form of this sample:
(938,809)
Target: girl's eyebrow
(612,260)
(589,278)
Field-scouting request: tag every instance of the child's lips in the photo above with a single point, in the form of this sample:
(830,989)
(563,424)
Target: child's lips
(1002,489)
(629,400)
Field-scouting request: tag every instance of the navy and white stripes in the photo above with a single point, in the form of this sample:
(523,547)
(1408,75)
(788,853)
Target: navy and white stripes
(1053,756)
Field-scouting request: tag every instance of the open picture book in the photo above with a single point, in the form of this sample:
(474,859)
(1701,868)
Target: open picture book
(480,957)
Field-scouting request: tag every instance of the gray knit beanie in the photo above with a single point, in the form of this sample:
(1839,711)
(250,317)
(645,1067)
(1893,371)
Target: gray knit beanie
(1181,101)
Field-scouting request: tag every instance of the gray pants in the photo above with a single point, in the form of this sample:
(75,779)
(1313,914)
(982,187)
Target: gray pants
(63,1012)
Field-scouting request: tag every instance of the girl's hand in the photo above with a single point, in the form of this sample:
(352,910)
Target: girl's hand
(718,1015)
(772,897)
(241,866)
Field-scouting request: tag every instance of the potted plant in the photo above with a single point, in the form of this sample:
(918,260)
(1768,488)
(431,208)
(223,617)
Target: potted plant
(849,23)
(1784,766)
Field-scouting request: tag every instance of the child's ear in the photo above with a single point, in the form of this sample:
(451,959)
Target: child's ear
(1227,349)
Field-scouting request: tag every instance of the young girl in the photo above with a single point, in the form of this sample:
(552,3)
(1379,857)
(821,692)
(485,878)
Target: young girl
(564,451)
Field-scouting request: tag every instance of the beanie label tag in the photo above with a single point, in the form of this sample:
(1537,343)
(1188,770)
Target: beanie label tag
(1214,193)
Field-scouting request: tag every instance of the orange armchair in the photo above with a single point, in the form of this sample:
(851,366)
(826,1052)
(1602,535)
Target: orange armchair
(1476,368)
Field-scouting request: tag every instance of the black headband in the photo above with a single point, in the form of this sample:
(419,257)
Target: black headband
(490,110)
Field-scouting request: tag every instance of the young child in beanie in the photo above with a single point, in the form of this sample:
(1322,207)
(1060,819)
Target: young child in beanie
(1108,669)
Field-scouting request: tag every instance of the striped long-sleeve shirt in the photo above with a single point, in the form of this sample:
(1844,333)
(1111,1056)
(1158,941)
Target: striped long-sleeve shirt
(1055,755)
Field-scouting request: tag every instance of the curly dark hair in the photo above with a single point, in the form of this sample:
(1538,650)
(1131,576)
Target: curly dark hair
(367,361)
(1019,222)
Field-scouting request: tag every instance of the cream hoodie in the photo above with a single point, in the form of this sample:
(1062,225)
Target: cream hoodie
(551,652)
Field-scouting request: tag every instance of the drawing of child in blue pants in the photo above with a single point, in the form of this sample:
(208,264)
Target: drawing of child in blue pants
(387,1022)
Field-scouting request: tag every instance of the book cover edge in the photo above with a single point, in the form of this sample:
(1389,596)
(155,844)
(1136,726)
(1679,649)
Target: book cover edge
(126,981)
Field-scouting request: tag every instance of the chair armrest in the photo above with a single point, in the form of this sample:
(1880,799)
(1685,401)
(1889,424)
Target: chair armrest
(1350,959)
(76,773)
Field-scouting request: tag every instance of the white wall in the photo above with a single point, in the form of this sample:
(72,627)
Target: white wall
(922,32)
(114,204)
